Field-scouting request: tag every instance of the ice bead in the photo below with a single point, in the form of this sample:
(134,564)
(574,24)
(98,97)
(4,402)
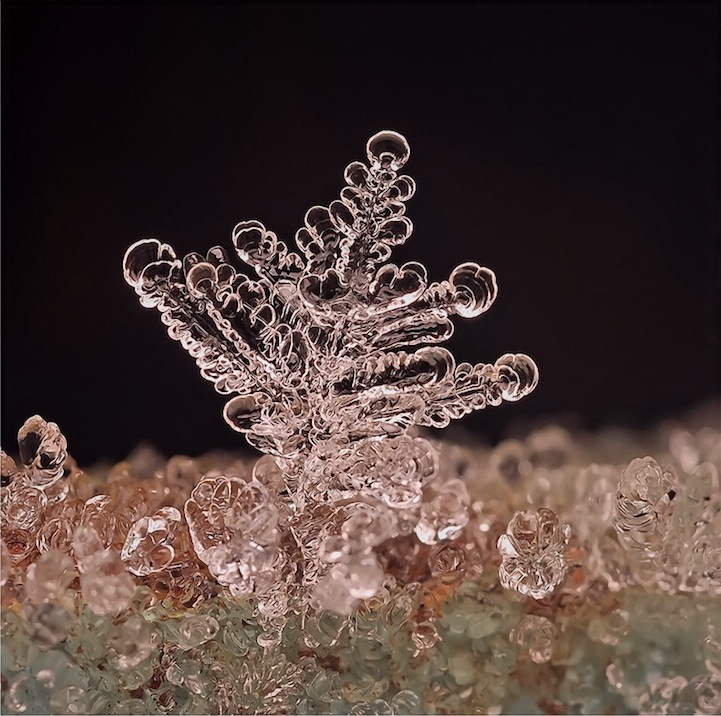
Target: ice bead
(445,515)
(49,577)
(531,550)
(152,542)
(196,630)
(105,585)
(131,642)
(534,635)
(43,451)
(22,504)
(49,624)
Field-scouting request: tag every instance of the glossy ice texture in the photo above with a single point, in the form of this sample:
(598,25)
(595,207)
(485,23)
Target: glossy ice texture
(551,574)
(329,339)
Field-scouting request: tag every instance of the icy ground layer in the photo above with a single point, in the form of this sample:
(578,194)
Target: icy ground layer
(108,607)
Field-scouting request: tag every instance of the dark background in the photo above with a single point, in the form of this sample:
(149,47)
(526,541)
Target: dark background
(573,148)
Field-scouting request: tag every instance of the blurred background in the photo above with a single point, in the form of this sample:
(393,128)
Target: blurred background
(574,149)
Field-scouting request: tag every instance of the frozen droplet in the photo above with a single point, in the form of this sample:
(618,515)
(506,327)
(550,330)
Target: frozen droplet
(532,548)
(196,630)
(8,469)
(131,642)
(48,624)
(702,486)
(363,575)
(243,412)
(425,636)
(534,635)
(332,592)
(23,694)
(388,150)
(395,287)
(254,244)
(445,515)
(395,232)
(475,289)
(550,447)
(367,526)
(448,562)
(357,174)
(107,593)
(49,577)
(151,543)
(70,699)
(334,549)
(643,505)
(403,188)
(509,459)
(22,504)
(43,451)
(609,628)
(407,702)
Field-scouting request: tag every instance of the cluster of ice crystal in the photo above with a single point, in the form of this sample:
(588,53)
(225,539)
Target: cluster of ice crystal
(358,566)
(236,604)
(320,353)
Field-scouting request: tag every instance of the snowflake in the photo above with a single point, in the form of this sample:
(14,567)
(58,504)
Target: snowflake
(329,340)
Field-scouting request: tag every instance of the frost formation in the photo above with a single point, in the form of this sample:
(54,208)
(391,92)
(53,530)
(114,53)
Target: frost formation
(329,354)
(323,340)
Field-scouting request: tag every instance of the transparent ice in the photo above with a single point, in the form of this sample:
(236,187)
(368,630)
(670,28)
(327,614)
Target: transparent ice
(321,342)
(360,565)
(330,355)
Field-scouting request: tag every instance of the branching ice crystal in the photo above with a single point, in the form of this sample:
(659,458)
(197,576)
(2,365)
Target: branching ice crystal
(319,344)
(329,355)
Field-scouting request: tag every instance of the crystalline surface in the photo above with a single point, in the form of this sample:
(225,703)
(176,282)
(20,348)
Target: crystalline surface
(359,565)
(334,603)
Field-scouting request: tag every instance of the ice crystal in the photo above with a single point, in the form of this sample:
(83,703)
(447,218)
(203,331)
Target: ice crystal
(320,344)
(329,355)
(359,565)
(532,551)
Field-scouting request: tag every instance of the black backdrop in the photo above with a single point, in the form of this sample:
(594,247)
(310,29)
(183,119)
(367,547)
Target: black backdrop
(573,148)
